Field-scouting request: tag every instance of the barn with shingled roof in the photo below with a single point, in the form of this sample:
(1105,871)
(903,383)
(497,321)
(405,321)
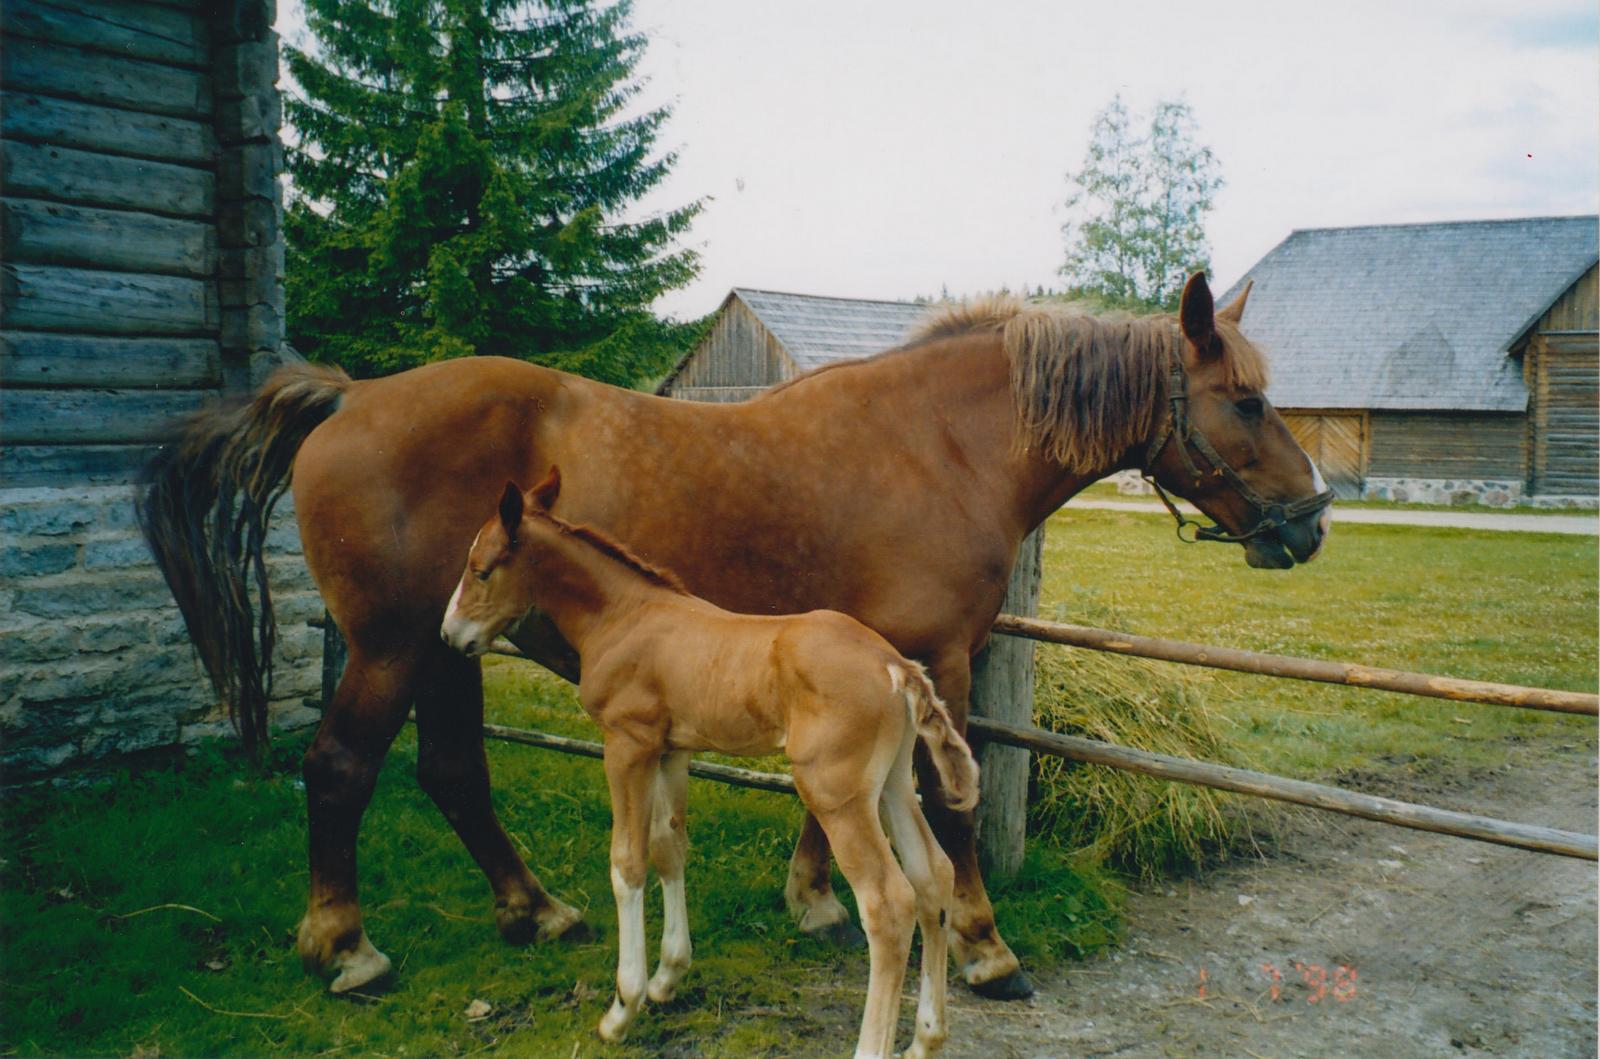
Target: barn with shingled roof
(1444,363)
(761,338)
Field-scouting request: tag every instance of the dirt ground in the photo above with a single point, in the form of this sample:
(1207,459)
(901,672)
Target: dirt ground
(1344,939)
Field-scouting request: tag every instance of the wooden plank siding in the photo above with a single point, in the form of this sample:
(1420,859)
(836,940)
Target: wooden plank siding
(1444,445)
(109,295)
(1337,441)
(737,360)
(1564,380)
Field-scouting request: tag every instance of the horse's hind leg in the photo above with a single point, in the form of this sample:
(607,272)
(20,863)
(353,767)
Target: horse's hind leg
(340,769)
(453,770)
(888,907)
(987,962)
(932,879)
(669,845)
(809,891)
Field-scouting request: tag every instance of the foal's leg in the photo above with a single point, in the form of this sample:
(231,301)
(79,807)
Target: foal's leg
(630,773)
(987,962)
(453,770)
(887,906)
(669,844)
(340,769)
(932,878)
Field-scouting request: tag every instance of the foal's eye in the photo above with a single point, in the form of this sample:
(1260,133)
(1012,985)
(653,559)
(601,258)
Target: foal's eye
(481,575)
(1249,407)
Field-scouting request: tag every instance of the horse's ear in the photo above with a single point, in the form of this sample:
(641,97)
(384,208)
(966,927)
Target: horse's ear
(1234,311)
(511,510)
(1196,313)
(544,494)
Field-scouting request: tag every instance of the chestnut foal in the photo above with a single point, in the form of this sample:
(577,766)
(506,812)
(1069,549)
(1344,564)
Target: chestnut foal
(665,673)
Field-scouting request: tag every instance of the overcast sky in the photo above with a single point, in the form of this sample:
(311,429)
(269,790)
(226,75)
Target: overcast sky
(891,149)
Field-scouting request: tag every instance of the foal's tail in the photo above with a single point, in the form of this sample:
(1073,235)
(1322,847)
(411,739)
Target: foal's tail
(203,503)
(952,758)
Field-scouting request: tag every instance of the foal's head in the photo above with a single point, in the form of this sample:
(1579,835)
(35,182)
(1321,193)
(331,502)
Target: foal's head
(1227,410)
(497,587)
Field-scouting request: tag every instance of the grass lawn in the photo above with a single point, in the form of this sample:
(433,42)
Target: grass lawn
(153,914)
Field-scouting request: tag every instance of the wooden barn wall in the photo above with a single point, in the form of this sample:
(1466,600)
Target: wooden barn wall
(736,361)
(1446,445)
(138,224)
(1563,373)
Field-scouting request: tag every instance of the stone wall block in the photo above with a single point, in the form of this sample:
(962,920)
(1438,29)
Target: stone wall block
(43,642)
(116,553)
(36,560)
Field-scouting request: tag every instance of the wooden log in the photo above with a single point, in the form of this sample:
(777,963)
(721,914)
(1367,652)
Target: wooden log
(49,298)
(1002,689)
(65,174)
(55,417)
(93,77)
(65,123)
(39,358)
(133,31)
(1299,792)
(1345,673)
(738,777)
(53,233)
(26,466)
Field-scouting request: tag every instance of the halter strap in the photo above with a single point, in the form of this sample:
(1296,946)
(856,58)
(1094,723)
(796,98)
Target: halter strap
(1177,427)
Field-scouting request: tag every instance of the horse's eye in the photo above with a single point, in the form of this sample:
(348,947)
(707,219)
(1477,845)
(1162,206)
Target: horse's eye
(1249,407)
(481,575)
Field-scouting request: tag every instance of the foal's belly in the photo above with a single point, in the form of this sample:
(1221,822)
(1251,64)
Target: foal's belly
(748,739)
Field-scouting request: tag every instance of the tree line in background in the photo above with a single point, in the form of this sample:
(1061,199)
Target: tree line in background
(465,179)
(1137,208)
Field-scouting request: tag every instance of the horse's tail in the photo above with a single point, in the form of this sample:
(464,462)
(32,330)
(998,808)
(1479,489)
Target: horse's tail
(952,758)
(203,503)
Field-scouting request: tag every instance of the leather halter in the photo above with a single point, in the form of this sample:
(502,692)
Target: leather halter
(1272,515)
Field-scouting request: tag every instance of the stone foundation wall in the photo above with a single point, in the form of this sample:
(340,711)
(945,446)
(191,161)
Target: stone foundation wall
(95,663)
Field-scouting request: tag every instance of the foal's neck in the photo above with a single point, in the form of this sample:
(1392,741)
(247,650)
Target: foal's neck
(586,592)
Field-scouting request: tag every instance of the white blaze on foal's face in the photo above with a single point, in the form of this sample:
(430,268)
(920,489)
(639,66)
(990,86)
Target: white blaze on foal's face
(471,621)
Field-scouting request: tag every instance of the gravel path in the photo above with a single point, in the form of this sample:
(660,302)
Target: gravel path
(1581,524)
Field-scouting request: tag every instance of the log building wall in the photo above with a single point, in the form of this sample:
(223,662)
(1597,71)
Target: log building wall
(140,275)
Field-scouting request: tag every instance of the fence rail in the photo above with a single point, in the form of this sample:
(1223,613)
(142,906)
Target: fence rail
(1348,674)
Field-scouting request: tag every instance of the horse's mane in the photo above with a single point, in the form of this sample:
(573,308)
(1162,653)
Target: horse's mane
(610,547)
(1086,388)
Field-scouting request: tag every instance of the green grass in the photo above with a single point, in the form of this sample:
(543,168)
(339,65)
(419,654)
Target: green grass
(100,960)
(1518,608)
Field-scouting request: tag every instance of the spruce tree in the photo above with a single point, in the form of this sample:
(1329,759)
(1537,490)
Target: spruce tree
(465,175)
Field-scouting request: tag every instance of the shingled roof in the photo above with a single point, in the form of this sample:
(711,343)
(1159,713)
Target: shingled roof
(817,331)
(1410,316)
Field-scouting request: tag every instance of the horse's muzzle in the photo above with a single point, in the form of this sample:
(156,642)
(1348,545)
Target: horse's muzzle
(1296,541)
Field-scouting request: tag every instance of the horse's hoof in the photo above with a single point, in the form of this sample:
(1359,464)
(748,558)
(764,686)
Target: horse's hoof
(363,968)
(579,933)
(841,935)
(1013,986)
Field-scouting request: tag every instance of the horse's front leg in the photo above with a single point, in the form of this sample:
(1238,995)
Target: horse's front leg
(669,847)
(630,774)
(452,769)
(340,769)
(987,962)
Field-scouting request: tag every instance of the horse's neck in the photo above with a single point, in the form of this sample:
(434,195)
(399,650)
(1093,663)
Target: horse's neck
(962,387)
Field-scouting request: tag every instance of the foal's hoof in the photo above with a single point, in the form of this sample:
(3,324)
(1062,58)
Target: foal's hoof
(841,935)
(1013,986)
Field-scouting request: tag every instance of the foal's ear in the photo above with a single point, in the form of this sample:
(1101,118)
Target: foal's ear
(1196,313)
(1233,312)
(544,494)
(511,510)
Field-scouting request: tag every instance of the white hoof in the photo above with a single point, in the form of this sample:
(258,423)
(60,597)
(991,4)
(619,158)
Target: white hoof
(360,966)
(614,1026)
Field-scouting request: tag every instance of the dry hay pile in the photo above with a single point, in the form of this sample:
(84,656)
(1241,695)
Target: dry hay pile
(1140,825)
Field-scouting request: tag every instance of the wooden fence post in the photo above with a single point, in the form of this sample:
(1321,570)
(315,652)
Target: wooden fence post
(1002,689)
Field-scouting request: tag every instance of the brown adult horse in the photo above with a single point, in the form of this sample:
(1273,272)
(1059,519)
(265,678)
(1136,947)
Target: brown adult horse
(895,489)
